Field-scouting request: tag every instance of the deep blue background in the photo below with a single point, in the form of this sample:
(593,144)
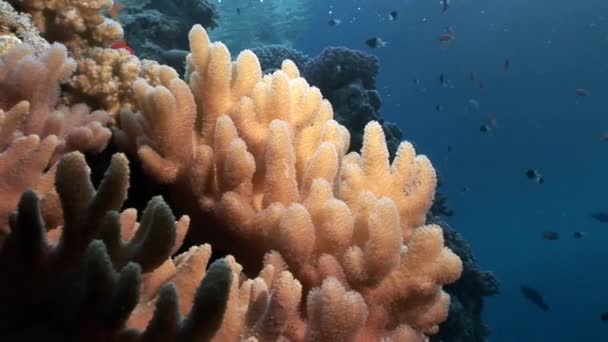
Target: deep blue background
(554,47)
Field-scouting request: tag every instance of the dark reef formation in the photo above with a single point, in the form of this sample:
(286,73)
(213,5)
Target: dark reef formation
(158,29)
(464,323)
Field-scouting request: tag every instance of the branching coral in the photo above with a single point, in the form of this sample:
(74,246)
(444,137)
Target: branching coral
(263,157)
(35,128)
(65,287)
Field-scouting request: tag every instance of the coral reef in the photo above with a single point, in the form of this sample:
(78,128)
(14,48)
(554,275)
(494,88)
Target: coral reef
(464,322)
(36,128)
(273,173)
(325,245)
(158,29)
(63,284)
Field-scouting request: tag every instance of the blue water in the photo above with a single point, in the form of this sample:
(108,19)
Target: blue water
(554,47)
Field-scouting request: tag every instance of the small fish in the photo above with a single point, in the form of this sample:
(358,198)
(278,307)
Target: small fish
(439,108)
(449,148)
(579,235)
(604,136)
(507,64)
(121,44)
(334,22)
(114,11)
(375,42)
(550,235)
(442,81)
(238,11)
(600,216)
(533,296)
(604,316)
(445,4)
(392,16)
(489,125)
(447,36)
(581,92)
(473,105)
(534,175)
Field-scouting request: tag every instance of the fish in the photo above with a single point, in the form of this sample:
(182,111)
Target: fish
(375,42)
(489,125)
(445,4)
(392,16)
(533,296)
(604,316)
(447,36)
(507,64)
(550,235)
(604,136)
(238,11)
(334,22)
(579,235)
(439,108)
(114,11)
(582,92)
(534,175)
(600,216)
(121,44)
(442,80)
(473,105)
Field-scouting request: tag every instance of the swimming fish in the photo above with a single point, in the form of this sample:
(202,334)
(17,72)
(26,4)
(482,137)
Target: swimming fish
(439,108)
(121,44)
(447,36)
(581,92)
(533,296)
(550,235)
(489,125)
(604,316)
(473,105)
(334,22)
(445,4)
(507,64)
(579,235)
(375,42)
(534,175)
(392,16)
(600,216)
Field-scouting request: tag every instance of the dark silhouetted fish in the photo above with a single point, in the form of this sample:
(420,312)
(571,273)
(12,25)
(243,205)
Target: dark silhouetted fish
(579,235)
(392,16)
(334,22)
(375,42)
(534,175)
(604,316)
(534,297)
(550,235)
(600,216)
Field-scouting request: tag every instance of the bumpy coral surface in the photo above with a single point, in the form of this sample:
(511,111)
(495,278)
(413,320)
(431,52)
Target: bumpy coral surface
(262,156)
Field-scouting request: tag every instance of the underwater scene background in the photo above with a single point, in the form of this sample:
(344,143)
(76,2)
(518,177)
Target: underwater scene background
(170,170)
(554,47)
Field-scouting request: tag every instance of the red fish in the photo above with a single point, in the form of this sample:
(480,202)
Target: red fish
(121,44)
(446,37)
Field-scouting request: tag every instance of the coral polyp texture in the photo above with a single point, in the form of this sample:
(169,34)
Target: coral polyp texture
(341,239)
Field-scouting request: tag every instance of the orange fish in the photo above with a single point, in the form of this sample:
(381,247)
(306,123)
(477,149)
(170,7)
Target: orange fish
(114,11)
